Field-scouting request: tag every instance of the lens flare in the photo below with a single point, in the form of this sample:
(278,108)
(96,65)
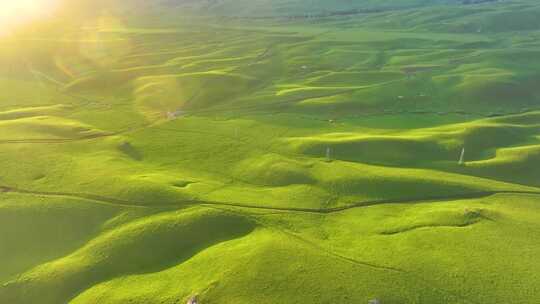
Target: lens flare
(17,12)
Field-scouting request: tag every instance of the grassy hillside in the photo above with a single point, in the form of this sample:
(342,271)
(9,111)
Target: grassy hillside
(271,151)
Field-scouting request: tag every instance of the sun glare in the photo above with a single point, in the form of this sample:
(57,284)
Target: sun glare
(17,12)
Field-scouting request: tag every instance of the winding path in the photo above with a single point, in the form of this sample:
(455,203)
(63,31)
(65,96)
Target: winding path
(131,204)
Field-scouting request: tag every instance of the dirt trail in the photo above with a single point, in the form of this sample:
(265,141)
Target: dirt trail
(183,204)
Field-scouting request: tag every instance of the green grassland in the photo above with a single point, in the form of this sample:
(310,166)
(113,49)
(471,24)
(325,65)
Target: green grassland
(273,151)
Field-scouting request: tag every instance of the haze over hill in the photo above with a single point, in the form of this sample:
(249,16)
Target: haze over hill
(258,8)
(270,8)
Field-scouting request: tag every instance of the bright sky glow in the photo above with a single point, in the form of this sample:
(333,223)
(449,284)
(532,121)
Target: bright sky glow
(16,12)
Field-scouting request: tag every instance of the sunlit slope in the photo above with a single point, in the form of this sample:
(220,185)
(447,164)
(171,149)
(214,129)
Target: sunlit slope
(373,154)
(423,256)
(426,253)
(258,161)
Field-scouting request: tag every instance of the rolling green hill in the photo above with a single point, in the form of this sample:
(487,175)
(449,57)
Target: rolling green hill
(272,151)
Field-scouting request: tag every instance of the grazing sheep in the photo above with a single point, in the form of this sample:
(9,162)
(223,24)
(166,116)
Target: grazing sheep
(193,300)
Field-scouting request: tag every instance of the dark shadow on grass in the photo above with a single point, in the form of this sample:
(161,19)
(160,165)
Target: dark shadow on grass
(149,247)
